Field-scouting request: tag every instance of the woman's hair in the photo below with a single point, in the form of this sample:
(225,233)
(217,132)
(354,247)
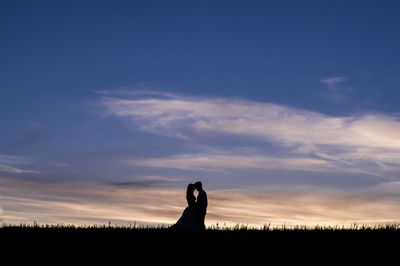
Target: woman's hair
(191,199)
(190,189)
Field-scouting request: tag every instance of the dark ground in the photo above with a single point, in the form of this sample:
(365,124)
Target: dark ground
(66,245)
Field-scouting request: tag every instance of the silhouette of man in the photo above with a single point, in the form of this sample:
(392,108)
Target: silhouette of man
(201,204)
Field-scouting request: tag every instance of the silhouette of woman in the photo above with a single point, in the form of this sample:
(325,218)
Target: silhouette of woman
(189,220)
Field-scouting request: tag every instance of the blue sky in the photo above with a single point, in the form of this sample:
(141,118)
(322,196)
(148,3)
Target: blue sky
(254,98)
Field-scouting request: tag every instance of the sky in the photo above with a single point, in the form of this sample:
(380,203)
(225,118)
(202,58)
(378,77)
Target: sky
(287,111)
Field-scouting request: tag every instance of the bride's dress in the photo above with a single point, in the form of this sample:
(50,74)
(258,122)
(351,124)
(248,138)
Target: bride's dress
(189,220)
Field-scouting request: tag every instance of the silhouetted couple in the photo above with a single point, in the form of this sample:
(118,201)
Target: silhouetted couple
(193,216)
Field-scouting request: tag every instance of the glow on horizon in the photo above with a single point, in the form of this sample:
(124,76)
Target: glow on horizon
(89,204)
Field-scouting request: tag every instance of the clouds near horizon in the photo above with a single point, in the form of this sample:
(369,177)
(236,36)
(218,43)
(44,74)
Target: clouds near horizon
(51,203)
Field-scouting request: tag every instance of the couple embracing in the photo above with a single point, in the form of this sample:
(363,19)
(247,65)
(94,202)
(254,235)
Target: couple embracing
(193,216)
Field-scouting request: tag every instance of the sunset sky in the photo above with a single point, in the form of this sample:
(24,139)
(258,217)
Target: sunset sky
(287,111)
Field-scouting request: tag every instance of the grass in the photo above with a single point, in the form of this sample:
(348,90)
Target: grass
(161,227)
(222,243)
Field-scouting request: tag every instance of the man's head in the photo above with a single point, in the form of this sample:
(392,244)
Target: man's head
(198,186)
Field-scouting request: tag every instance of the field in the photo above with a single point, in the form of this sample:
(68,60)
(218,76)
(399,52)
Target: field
(154,244)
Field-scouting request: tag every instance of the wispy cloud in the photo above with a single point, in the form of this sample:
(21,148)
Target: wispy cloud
(336,90)
(11,164)
(218,162)
(331,82)
(14,170)
(303,140)
(30,133)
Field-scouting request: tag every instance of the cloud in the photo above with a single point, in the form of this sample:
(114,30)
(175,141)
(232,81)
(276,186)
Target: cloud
(302,139)
(300,205)
(9,163)
(77,203)
(11,159)
(80,203)
(14,170)
(331,82)
(30,134)
(337,91)
(142,183)
(216,162)
(249,118)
